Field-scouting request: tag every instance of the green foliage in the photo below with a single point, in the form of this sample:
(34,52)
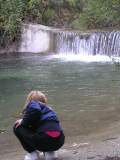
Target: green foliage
(56,3)
(11,14)
(40,11)
(48,15)
(100,13)
(71,2)
(34,11)
(79,23)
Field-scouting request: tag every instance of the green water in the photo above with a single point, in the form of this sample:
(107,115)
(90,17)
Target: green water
(86,96)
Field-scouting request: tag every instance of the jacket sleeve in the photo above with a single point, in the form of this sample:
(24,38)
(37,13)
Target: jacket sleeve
(31,116)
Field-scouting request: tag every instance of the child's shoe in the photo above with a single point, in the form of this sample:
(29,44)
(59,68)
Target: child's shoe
(50,155)
(32,156)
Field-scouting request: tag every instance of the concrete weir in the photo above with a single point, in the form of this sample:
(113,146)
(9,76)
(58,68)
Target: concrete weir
(39,38)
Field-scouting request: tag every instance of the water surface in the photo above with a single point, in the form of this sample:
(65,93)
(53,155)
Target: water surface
(86,96)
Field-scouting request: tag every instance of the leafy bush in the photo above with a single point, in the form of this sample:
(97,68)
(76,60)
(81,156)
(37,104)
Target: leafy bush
(101,13)
(48,15)
(11,14)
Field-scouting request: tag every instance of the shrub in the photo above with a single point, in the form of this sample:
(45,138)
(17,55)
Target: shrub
(101,13)
(11,14)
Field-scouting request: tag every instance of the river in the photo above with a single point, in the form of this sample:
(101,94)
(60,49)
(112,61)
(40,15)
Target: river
(85,95)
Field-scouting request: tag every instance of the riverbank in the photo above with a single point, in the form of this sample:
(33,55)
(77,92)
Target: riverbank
(106,149)
(103,146)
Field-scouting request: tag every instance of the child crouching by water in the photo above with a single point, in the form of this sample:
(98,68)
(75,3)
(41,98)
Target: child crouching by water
(39,130)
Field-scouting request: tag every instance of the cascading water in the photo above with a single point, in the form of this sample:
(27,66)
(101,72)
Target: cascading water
(38,38)
(103,43)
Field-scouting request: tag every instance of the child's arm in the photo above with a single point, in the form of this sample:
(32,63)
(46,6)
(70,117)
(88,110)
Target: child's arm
(32,114)
(31,117)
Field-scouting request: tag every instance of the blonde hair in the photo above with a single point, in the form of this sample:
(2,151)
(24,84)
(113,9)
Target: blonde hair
(37,96)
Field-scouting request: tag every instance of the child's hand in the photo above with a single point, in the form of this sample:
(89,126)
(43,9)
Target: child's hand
(18,123)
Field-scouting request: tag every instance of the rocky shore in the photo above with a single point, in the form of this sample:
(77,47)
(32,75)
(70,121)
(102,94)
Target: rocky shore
(102,145)
(107,148)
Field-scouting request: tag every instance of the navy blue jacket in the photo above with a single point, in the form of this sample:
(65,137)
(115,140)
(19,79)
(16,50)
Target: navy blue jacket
(40,117)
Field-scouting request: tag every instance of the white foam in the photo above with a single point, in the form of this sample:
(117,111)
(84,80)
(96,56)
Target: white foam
(83,58)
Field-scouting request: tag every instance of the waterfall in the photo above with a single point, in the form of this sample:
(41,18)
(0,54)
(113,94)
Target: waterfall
(38,38)
(98,43)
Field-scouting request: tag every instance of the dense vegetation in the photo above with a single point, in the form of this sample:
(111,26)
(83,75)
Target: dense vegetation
(77,14)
